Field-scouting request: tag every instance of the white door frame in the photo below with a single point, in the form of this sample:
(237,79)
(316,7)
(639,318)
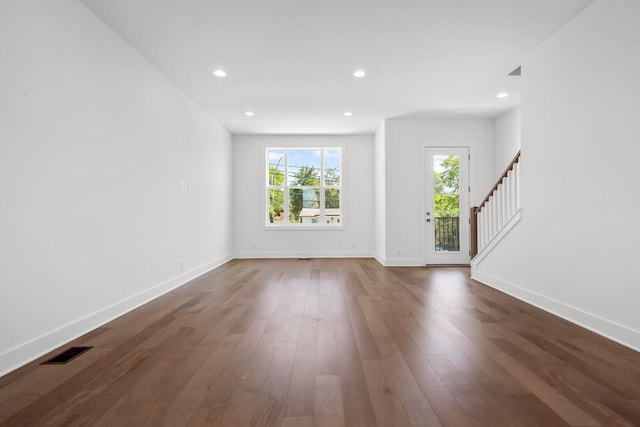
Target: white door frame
(429,255)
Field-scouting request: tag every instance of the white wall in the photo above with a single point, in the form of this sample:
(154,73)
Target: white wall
(94,143)
(380,183)
(575,251)
(507,139)
(250,236)
(405,186)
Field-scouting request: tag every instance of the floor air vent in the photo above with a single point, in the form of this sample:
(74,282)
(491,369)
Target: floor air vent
(66,356)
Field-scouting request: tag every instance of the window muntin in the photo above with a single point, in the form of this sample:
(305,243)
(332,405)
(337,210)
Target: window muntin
(304,186)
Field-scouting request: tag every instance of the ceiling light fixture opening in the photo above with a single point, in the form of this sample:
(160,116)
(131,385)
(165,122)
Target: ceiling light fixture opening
(249,113)
(359,74)
(348,113)
(220,73)
(503,94)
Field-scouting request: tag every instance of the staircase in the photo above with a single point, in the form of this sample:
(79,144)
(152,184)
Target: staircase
(498,212)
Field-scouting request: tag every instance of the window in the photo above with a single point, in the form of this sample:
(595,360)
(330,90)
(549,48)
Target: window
(304,186)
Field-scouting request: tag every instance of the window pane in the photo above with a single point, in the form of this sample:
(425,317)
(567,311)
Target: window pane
(304,167)
(276,160)
(304,205)
(332,206)
(446,203)
(298,177)
(332,172)
(276,206)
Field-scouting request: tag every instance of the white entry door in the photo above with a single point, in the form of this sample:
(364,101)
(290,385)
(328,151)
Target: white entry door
(447,205)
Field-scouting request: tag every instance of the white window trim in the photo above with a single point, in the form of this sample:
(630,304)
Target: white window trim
(288,226)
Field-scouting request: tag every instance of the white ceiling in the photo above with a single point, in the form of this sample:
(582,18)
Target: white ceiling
(291,61)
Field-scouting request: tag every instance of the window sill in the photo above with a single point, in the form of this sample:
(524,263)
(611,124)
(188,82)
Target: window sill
(304,227)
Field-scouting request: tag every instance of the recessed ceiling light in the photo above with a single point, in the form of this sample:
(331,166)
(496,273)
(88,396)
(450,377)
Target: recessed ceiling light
(220,73)
(348,113)
(503,95)
(359,74)
(249,113)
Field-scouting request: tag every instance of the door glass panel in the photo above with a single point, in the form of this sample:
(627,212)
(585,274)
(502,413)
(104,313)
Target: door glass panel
(446,203)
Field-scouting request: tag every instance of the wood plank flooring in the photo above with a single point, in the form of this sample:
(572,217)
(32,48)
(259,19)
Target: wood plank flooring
(340,342)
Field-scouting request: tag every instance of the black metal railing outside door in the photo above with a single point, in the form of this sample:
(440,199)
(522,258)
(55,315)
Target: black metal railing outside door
(447,233)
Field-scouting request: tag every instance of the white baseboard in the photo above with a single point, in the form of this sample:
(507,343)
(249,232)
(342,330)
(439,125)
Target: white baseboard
(601,326)
(386,262)
(379,258)
(402,262)
(303,254)
(35,348)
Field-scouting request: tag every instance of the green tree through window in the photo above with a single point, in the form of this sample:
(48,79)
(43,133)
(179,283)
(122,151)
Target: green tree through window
(332,195)
(276,197)
(446,203)
(307,176)
(447,188)
(304,186)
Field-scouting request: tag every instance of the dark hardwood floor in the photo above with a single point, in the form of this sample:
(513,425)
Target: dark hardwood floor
(332,343)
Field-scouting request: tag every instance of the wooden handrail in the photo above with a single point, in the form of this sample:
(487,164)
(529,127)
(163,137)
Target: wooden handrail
(502,177)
